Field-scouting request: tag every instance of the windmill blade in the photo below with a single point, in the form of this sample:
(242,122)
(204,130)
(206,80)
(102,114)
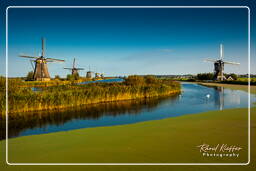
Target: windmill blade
(74,62)
(26,56)
(55,60)
(43,48)
(79,68)
(31,62)
(68,68)
(209,60)
(233,63)
(221,51)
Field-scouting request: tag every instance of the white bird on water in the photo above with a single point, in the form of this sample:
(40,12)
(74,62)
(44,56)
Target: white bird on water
(208,96)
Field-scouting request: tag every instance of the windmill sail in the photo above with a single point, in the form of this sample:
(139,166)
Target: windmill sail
(221,51)
(41,69)
(209,60)
(43,47)
(55,60)
(219,65)
(74,70)
(26,56)
(233,63)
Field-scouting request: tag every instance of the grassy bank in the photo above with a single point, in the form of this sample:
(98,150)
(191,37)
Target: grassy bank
(231,86)
(238,81)
(23,99)
(167,140)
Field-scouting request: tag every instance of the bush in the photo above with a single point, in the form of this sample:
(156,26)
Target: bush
(150,79)
(135,80)
(205,76)
(73,77)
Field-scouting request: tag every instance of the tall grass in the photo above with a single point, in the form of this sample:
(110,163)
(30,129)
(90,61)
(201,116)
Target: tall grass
(23,99)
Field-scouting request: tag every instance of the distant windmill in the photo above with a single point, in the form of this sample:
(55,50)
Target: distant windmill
(219,65)
(40,69)
(89,73)
(74,70)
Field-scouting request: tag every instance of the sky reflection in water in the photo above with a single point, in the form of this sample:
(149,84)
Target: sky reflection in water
(194,99)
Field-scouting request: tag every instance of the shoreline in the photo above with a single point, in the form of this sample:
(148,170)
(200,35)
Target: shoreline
(137,130)
(127,139)
(65,96)
(123,97)
(231,86)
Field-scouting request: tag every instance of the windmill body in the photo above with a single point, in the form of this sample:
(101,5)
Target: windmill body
(219,65)
(89,74)
(219,70)
(41,72)
(74,70)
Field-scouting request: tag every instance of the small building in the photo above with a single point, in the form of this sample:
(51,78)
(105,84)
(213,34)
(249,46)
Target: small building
(230,78)
(102,76)
(97,75)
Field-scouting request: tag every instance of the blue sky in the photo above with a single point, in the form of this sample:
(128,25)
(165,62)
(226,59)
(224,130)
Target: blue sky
(129,41)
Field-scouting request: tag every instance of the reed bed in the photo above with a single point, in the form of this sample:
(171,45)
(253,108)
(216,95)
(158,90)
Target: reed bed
(22,99)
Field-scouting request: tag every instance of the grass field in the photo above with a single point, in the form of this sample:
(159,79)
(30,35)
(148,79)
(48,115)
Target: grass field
(167,140)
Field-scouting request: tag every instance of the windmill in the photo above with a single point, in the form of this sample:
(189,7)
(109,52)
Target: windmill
(89,73)
(40,65)
(219,65)
(74,70)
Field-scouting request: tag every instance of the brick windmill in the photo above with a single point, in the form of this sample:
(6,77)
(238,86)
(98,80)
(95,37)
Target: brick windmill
(219,65)
(74,70)
(40,65)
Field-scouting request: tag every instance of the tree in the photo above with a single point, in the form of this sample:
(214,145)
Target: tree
(30,76)
(72,77)
(205,76)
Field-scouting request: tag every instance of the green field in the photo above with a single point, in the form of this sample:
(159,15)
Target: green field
(168,140)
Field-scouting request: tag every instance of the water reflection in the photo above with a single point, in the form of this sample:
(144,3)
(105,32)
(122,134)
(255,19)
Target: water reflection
(36,89)
(219,97)
(193,99)
(88,112)
(229,96)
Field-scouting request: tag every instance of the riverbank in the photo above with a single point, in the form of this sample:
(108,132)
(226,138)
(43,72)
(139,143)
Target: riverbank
(161,141)
(22,100)
(231,86)
(167,138)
